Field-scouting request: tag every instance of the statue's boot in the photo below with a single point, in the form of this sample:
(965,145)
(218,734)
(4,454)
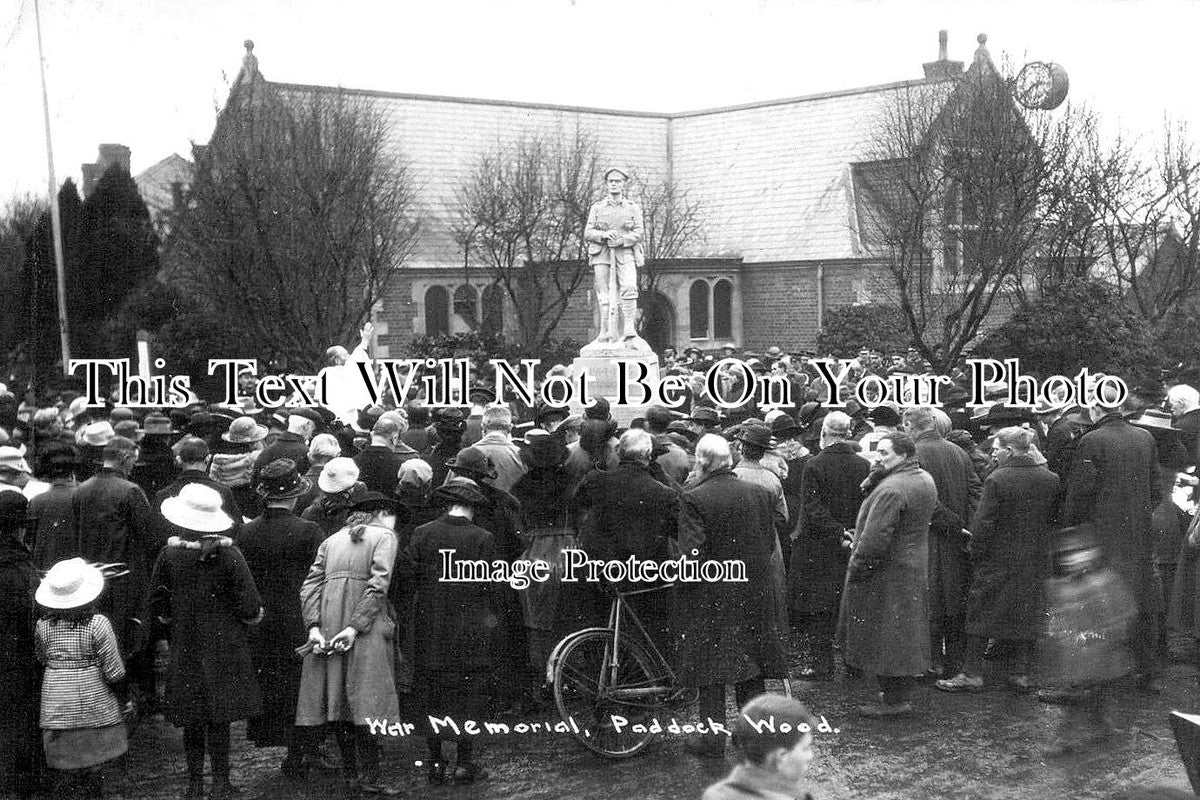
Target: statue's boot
(628,319)
(605,333)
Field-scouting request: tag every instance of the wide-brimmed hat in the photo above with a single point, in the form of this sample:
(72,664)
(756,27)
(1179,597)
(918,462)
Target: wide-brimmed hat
(280,480)
(1152,420)
(244,430)
(681,427)
(707,417)
(310,414)
(197,508)
(157,424)
(97,434)
(45,417)
(544,412)
(70,584)
(1001,414)
(755,434)
(14,458)
(458,490)
(378,501)
(473,461)
(338,475)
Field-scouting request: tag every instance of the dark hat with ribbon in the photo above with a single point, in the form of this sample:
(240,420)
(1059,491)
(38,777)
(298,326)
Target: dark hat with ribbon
(755,433)
(784,426)
(544,412)
(378,501)
(1000,414)
(708,417)
(158,424)
(308,413)
(280,480)
(681,427)
(458,491)
(474,462)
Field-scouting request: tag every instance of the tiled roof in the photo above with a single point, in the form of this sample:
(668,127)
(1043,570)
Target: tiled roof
(154,182)
(774,177)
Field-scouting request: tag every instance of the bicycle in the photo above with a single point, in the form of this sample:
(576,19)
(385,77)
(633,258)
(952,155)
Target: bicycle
(607,681)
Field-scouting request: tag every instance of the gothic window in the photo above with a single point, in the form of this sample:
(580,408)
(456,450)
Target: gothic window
(437,311)
(723,310)
(698,310)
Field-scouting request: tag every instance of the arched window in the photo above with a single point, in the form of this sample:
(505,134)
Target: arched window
(698,310)
(466,305)
(723,310)
(437,311)
(493,310)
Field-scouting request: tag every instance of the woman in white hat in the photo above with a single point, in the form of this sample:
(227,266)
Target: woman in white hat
(202,588)
(82,728)
(340,486)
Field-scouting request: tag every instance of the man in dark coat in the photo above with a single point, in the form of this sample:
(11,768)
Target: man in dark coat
(1010,558)
(448,424)
(279,547)
(620,513)
(192,457)
(726,632)
(1114,486)
(674,461)
(302,425)
(831,496)
(379,463)
(958,487)
(18,690)
(884,620)
(114,524)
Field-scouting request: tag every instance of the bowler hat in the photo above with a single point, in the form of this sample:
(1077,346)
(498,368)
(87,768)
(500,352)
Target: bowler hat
(458,491)
(280,480)
(473,461)
(157,424)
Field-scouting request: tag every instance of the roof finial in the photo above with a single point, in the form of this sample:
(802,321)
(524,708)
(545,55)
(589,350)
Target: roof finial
(249,70)
(982,39)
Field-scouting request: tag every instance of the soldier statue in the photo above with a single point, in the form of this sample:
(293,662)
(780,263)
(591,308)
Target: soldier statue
(614,237)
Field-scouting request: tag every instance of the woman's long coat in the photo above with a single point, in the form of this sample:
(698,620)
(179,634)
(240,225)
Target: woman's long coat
(209,596)
(728,631)
(348,586)
(884,624)
(279,547)
(1010,550)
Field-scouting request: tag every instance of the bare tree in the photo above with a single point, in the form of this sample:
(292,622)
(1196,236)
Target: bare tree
(521,217)
(674,225)
(955,202)
(1145,213)
(300,214)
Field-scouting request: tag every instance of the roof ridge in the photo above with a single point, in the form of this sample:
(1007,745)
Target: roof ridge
(612,111)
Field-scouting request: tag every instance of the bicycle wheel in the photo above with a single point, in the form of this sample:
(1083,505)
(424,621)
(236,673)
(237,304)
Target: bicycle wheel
(605,708)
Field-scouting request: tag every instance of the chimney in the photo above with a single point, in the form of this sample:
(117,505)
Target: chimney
(942,69)
(109,154)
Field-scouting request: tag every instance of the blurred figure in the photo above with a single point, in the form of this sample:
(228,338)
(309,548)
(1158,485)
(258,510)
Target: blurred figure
(1089,617)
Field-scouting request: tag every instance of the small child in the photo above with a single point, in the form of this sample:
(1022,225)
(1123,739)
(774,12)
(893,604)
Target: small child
(1089,611)
(82,729)
(773,736)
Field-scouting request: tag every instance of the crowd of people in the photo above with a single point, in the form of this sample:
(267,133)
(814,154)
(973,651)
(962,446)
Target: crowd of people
(290,565)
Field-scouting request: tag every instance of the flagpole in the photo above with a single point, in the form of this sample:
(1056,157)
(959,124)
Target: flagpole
(55,215)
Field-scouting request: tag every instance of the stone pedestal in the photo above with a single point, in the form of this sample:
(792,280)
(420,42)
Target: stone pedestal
(602,362)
